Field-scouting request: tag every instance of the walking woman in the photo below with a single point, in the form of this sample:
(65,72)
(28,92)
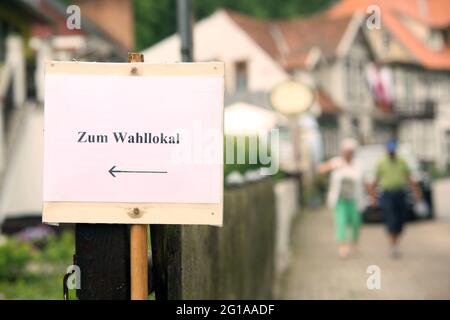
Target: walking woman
(345,197)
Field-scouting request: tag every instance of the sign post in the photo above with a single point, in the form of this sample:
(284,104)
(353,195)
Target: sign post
(138,240)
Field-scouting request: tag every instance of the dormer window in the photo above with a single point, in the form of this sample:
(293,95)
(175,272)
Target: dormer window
(386,38)
(446,37)
(241,76)
(435,40)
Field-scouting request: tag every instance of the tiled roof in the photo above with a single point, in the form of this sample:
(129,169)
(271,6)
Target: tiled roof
(433,13)
(258,30)
(289,41)
(56,11)
(303,34)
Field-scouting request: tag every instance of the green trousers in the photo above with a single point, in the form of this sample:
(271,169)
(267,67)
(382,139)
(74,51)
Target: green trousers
(347,217)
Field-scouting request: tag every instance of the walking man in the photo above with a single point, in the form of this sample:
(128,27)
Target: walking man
(393,177)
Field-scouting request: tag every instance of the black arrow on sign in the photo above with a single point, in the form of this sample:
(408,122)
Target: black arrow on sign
(113,170)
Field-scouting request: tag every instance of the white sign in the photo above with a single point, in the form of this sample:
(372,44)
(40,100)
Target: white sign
(146,135)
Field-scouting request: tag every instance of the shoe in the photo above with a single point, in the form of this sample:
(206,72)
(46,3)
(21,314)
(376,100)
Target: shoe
(395,252)
(354,251)
(343,252)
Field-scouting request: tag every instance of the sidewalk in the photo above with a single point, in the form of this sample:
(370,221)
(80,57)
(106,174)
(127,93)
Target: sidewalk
(423,271)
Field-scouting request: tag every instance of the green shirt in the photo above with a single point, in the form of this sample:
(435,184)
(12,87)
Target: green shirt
(393,174)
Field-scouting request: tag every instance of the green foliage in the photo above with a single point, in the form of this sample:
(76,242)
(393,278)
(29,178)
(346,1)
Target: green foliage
(156,19)
(262,9)
(59,249)
(29,273)
(34,287)
(14,256)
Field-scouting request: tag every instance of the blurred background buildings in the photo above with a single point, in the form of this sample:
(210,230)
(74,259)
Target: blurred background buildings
(370,82)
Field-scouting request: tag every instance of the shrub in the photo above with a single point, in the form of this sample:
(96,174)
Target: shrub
(14,256)
(59,249)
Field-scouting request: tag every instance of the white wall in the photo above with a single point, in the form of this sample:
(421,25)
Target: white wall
(12,73)
(426,137)
(441,200)
(419,135)
(21,191)
(218,38)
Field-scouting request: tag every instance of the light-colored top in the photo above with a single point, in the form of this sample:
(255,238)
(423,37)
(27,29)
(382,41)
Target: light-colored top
(393,174)
(346,183)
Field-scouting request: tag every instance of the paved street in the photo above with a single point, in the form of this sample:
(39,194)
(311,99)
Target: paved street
(316,272)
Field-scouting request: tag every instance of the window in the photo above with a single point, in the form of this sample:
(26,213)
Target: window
(241,76)
(356,84)
(408,97)
(447,141)
(349,80)
(356,127)
(4,30)
(446,36)
(361,81)
(435,40)
(386,40)
(447,86)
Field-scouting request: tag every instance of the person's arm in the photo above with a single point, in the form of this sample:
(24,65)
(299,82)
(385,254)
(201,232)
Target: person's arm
(372,187)
(324,167)
(417,193)
(327,166)
(415,188)
(361,191)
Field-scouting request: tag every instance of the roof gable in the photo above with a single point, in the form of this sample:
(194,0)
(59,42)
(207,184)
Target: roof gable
(259,30)
(433,13)
(289,42)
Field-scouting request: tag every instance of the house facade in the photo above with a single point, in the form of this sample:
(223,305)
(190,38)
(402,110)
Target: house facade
(260,54)
(31,33)
(413,44)
(226,36)
(338,73)
(371,83)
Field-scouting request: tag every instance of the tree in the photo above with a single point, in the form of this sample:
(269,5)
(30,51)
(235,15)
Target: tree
(156,19)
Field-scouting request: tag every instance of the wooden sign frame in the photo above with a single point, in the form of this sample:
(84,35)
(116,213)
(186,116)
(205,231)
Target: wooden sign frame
(136,213)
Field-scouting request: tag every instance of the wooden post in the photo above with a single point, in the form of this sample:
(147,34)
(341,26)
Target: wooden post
(102,252)
(166,239)
(138,241)
(139,262)
(166,253)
